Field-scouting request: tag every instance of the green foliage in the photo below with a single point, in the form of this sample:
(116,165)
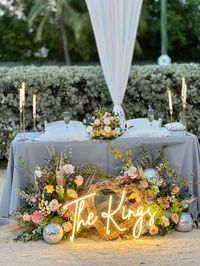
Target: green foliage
(17,42)
(81,89)
(149,158)
(183,30)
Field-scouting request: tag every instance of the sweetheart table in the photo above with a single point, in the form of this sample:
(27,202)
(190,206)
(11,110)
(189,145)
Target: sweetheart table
(182,151)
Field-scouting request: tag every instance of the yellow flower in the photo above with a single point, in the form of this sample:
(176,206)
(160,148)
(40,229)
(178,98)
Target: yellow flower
(108,134)
(72,193)
(49,189)
(97,133)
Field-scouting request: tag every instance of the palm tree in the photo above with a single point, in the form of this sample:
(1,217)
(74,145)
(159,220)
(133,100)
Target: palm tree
(63,13)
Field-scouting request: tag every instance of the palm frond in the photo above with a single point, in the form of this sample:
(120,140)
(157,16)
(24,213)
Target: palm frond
(37,10)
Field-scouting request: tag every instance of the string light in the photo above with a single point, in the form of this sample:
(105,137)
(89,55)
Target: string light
(108,215)
(91,219)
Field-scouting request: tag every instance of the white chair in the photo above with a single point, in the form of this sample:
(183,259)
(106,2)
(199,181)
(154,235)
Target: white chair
(141,123)
(62,123)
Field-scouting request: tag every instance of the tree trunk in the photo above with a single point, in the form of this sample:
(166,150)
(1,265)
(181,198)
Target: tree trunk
(65,42)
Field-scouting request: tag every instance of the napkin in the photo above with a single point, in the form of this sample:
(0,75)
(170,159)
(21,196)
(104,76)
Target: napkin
(146,132)
(175,126)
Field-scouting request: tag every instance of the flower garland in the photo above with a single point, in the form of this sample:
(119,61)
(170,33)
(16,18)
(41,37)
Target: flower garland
(59,183)
(104,126)
(158,188)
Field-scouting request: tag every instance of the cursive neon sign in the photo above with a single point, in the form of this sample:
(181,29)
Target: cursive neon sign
(91,218)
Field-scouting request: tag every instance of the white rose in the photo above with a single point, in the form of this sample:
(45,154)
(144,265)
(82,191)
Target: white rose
(107,121)
(117,131)
(165,221)
(68,169)
(89,129)
(38,172)
(132,172)
(107,129)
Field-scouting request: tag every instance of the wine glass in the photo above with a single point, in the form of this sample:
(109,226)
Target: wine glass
(66,117)
(150,115)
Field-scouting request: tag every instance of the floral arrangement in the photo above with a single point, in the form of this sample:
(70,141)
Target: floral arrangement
(57,182)
(158,188)
(104,125)
(151,184)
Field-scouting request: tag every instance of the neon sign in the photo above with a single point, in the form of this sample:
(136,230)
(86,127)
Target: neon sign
(91,219)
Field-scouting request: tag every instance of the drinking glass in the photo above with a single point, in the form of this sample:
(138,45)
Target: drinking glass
(66,117)
(150,116)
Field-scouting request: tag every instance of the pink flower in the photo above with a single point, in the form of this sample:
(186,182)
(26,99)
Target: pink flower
(68,169)
(33,199)
(70,208)
(166,203)
(160,182)
(127,180)
(53,206)
(26,217)
(36,216)
(132,172)
(78,180)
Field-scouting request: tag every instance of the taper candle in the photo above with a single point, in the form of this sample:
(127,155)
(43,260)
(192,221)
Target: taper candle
(20,100)
(170,100)
(184,94)
(23,92)
(34,105)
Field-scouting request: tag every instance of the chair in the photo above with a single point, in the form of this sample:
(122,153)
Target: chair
(141,123)
(62,123)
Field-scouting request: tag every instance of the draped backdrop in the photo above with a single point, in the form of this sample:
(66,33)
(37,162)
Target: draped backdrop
(115,24)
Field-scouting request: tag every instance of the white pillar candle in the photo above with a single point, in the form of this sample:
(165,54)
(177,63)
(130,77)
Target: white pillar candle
(34,105)
(23,93)
(183,88)
(170,100)
(184,97)
(20,100)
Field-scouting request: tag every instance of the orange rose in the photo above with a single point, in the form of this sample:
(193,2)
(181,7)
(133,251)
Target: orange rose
(175,190)
(107,134)
(144,183)
(97,122)
(175,218)
(26,217)
(153,230)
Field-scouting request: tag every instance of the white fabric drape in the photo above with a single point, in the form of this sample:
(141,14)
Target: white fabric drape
(115,24)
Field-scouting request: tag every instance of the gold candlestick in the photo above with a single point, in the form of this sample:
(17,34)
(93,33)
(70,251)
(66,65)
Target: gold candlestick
(171,117)
(34,123)
(183,118)
(24,122)
(20,126)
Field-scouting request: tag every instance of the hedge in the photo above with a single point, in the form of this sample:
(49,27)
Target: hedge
(81,89)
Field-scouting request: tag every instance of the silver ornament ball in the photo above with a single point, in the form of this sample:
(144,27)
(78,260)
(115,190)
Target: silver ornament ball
(52,233)
(151,175)
(185,223)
